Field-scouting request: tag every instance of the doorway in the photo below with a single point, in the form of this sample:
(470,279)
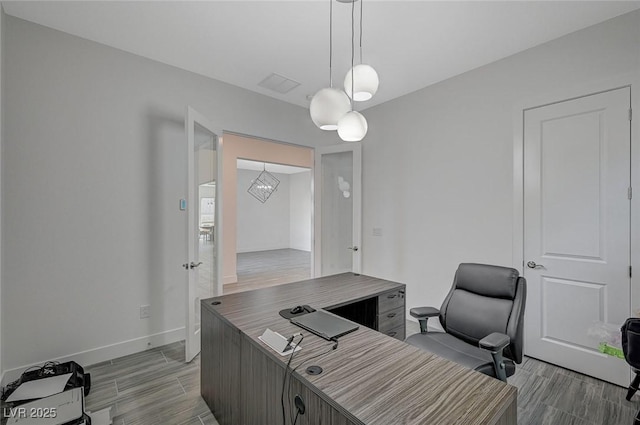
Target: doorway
(255,233)
(577,211)
(273,237)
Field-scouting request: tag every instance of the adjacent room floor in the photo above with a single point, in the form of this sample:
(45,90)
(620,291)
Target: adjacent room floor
(262,269)
(255,270)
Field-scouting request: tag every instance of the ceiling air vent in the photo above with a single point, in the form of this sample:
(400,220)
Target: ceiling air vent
(278,83)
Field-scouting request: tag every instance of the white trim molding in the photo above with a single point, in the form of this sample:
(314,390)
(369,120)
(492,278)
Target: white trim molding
(631,80)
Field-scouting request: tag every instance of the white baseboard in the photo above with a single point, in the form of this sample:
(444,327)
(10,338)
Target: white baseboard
(245,250)
(107,352)
(232,278)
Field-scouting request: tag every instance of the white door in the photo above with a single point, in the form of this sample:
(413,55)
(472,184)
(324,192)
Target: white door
(337,209)
(203,222)
(577,229)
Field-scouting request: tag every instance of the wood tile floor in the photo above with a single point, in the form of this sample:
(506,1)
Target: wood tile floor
(270,268)
(551,395)
(156,387)
(150,388)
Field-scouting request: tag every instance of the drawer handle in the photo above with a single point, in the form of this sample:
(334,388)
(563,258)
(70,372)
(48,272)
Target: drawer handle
(390,315)
(392,296)
(392,334)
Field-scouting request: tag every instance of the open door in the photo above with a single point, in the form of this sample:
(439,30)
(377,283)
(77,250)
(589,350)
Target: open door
(204,220)
(337,209)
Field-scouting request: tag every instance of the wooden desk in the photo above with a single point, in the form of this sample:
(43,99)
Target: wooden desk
(370,379)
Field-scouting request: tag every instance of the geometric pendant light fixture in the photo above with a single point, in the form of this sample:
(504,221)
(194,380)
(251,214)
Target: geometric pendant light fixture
(328,105)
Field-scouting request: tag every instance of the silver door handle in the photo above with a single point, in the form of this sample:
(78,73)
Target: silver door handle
(194,265)
(353,248)
(533,265)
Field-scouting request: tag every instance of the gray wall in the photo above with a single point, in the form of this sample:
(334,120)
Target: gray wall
(438,163)
(261,226)
(93,166)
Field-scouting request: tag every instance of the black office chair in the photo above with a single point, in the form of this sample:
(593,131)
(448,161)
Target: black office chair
(482,317)
(631,349)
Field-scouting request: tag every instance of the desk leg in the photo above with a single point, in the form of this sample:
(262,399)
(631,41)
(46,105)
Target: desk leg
(220,369)
(510,416)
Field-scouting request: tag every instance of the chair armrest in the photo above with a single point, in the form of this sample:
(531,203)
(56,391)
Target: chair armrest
(424,312)
(495,342)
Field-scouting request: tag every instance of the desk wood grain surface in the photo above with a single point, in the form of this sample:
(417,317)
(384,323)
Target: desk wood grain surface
(370,377)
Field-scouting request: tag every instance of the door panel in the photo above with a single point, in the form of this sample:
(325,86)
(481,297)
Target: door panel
(577,229)
(337,211)
(203,223)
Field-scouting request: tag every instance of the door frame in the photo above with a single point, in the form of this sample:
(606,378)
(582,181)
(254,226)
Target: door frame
(191,118)
(625,80)
(356,149)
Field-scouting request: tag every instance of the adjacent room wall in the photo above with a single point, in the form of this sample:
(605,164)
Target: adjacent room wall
(93,166)
(300,213)
(262,226)
(438,163)
(236,146)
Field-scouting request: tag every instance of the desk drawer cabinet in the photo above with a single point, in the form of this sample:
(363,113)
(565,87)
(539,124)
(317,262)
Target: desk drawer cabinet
(397,333)
(390,300)
(391,314)
(391,319)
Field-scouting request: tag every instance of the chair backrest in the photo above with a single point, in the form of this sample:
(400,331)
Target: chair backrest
(486,299)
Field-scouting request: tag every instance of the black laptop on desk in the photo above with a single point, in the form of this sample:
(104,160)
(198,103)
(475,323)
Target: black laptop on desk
(324,324)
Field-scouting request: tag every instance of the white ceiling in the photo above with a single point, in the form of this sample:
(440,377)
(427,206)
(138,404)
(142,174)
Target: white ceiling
(245,164)
(411,44)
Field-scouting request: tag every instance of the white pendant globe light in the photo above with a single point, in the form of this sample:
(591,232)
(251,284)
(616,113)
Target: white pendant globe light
(352,127)
(365,82)
(327,106)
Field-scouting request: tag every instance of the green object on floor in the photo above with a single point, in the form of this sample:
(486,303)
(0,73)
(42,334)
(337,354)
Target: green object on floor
(605,348)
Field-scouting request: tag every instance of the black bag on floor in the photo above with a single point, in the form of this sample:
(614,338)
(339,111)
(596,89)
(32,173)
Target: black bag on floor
(77,379)
(631,341)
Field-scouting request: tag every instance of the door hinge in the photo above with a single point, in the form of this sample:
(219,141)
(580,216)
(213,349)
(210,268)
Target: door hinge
(630,114)
(629,193)
(630,271)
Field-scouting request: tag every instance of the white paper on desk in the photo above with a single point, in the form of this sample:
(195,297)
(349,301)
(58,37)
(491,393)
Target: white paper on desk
(39,388)
(294,347)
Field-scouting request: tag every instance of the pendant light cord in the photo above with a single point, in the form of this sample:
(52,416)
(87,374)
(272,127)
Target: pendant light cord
(353,36)
(330,42)
(361,1)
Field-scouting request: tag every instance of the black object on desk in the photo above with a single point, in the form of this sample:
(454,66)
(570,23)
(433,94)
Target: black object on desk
(324,324)
(296,311)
